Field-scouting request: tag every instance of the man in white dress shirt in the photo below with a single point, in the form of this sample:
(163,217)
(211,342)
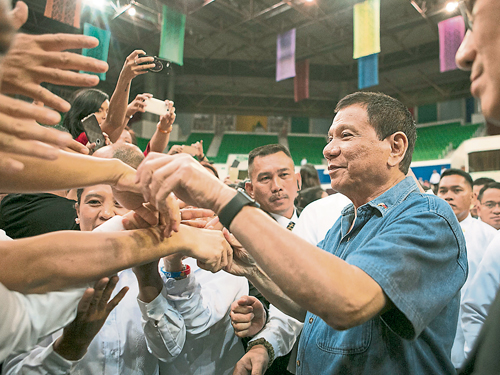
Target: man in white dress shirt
(455,188)
(488,208)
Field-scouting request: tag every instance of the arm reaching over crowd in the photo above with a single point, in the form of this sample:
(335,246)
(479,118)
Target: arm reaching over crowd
(114,123)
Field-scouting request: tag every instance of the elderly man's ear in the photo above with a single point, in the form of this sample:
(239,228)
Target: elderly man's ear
(399,145)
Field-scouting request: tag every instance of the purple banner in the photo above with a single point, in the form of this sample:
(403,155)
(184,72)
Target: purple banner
(451,34)
(285,55)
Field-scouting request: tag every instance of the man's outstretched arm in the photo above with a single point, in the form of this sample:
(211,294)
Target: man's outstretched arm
(61,260)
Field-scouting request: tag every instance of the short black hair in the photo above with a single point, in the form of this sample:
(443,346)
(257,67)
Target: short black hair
(457,172)
(482,181)
(491,185)
(387,116)
(265,151)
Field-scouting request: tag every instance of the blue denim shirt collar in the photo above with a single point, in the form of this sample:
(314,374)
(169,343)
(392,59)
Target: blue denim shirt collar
(389,199)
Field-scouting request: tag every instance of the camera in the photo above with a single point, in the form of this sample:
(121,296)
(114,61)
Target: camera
(160,64)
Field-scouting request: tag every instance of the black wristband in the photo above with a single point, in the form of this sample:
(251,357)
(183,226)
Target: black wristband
(230,210)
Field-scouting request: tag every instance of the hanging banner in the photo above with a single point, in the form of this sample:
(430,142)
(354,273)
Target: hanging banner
(65,11)
(256,124)
(366,28)
(301,81)
(368,71)
(172,36)
(451,34)
(101,51)
(285,55)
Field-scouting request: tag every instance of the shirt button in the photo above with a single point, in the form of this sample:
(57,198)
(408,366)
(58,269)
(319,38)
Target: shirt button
(170,283)
(298,363)
(311,320)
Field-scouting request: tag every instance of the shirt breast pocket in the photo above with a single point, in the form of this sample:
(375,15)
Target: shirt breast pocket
(352,341)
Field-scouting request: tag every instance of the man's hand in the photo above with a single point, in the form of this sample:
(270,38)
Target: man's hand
(167,120)
(137,105)
(93,311)
(159,175)
(248,316)
(26,137)
(19,15)
(132,68)
(243,263)
(254,362)
(33,59)
(210,249)
(196,217)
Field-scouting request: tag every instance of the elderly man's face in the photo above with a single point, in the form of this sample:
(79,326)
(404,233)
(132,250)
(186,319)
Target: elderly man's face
(274,183)
(480,53)
(357,159)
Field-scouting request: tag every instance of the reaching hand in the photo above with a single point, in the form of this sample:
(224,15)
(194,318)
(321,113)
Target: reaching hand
(19,15)
(243,263)
(159,175)
(248,316)
(93,311)
(254,362)
(26,137)
(196,217)
(132,68)
(210,249)
(166,121)
(137,105)
(199,146)
(33,59)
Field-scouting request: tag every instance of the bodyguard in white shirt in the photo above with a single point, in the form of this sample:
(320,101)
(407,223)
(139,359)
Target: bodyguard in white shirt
(455,188)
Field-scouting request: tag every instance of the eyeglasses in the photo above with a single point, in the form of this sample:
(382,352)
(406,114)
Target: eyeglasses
(466,7)
(491,205)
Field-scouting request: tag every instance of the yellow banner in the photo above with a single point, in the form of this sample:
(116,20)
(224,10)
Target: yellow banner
(366,28)
(251,123)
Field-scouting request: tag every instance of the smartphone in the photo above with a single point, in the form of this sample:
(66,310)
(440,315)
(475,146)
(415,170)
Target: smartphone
(160,64)
(93,131)
(156,106)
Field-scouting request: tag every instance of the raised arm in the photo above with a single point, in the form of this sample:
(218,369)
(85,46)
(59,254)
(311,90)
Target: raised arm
(114,124)
(160,138)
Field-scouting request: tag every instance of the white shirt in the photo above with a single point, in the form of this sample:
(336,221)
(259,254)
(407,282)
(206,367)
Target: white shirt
(480,293)
(284,221)
(27,318)
(118,348)
(319,216)
(478,236)
(203,300)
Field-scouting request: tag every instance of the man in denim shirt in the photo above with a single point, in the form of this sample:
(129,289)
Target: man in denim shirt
(382,297)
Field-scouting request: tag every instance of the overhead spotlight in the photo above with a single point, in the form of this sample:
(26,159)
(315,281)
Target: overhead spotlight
(451,6)
(131,12)
(309,1)
(96,4)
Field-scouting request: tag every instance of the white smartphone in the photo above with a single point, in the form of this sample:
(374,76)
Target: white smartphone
(156,106)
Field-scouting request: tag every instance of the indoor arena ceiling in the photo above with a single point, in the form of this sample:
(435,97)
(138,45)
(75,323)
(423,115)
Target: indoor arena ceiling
(230,52)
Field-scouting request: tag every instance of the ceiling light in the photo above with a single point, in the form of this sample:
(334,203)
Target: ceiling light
(131,11)
(97,4)
(451,6)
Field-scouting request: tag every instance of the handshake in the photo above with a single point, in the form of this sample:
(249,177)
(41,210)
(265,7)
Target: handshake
(149,193)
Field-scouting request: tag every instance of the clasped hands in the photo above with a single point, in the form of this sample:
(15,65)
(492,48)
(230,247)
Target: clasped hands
(159,177)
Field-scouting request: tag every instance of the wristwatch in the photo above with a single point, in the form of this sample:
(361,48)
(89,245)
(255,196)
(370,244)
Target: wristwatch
(230,210)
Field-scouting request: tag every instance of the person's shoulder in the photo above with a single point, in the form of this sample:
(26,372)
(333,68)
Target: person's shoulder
(334,200)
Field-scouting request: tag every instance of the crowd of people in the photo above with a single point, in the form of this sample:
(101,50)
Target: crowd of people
(118,261)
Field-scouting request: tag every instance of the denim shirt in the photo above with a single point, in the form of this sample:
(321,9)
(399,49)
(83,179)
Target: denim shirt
(411,244)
